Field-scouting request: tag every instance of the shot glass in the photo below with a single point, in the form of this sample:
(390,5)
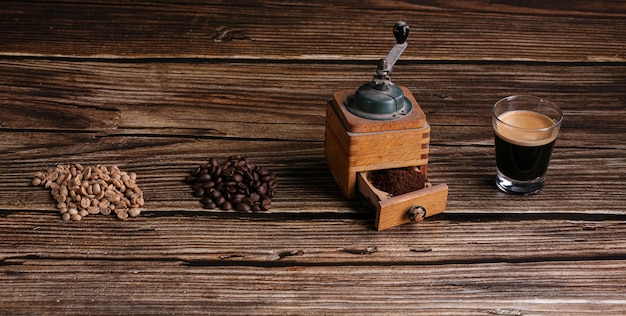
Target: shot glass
(525,129)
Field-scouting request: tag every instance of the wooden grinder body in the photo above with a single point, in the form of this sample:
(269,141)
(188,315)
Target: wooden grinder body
(354,146)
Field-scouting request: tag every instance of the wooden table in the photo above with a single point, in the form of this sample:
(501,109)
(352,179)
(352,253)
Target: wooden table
(158,87)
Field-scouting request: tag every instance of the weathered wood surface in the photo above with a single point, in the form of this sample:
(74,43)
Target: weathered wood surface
(215,239)
(317,30)
(157,87)
(137,288)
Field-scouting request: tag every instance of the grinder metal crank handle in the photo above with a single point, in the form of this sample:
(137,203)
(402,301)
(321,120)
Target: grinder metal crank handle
(401,32)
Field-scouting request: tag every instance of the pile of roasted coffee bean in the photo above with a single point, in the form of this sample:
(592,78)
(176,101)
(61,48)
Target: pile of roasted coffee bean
(234,184)
(80,191)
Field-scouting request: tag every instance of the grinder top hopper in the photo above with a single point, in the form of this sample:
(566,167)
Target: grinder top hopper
(380,99)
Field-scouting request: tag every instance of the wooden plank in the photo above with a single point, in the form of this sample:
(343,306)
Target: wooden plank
(213,239)
(462,30)
(306,185)
(95,287)
(575,8)
(287,101)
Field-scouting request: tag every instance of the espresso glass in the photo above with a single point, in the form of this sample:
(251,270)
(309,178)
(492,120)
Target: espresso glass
(525,130)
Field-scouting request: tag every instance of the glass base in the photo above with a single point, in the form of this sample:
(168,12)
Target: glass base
(511,186)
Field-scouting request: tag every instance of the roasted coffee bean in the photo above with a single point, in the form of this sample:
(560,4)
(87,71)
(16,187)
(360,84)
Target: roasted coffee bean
(216,193)
(220,200)
(226,206)
(204,177)
(233,183)
(199,191)
(217,171)
(237,198)
(243,207)
(266,204)
(237,177)
(262,189)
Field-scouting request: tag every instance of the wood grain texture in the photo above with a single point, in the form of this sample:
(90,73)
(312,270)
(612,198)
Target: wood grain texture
(158,87)
(287,101)
(163,119)
(213,239)
(306,183)
(463,30)
(137,287)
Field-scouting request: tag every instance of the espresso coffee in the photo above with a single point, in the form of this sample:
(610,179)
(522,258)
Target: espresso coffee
(524,143)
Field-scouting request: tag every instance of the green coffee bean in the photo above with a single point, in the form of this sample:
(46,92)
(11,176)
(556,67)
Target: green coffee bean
(81,191)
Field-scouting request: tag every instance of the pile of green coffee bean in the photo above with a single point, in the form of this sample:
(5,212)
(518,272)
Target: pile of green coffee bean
(80,191)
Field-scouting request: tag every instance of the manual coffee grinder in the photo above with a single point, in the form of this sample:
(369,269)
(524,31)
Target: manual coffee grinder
(381,126)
